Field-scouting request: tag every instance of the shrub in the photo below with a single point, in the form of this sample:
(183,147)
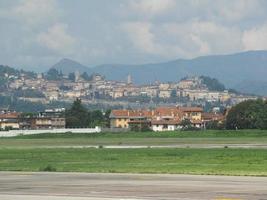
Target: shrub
(48,168)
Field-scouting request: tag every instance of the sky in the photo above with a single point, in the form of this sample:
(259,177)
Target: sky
(35,34)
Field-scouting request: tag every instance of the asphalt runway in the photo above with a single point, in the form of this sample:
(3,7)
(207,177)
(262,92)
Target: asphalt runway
(84,186)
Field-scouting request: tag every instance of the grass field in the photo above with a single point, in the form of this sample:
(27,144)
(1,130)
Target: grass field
(185,161)
(131,138)
(30,153)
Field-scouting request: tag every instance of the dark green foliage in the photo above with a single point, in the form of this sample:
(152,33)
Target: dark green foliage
(48,168)
(188,126)
(54,74)
(71,76)
(142,127)
(249,114)
(79,116)
(212,83)
(85,76)
(215,125)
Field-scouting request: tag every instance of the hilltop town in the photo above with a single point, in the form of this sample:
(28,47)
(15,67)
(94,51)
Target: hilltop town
(95,88)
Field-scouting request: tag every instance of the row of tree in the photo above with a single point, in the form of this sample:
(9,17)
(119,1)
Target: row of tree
(54,75)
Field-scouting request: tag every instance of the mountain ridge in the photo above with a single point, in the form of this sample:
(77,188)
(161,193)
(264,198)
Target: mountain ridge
(230,69)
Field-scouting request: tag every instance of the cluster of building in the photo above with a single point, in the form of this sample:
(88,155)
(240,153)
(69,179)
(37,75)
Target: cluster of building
(100,88)
(163,118)
(49,119)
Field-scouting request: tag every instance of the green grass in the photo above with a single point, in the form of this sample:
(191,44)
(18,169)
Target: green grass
(185,161)
(137,138)
(167,134)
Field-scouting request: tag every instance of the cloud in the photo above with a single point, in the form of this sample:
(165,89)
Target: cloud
(255,38)
(234,10)
(188,39)
(141,36)
(34,12)
(152,7)
(57,39)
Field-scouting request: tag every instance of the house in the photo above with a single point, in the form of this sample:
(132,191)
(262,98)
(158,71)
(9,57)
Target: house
(9,120)
(192,113)
(122,118)
(49,119)
(159,119)
(165,125)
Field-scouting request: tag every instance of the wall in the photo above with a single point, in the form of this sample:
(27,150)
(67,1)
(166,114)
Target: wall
(13,133)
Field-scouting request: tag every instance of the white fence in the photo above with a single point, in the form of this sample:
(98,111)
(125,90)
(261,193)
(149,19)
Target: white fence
(13,133)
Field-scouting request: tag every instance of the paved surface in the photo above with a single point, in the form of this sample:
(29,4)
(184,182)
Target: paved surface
(83,186)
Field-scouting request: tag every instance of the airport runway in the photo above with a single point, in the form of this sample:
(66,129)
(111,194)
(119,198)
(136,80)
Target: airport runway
(84,186)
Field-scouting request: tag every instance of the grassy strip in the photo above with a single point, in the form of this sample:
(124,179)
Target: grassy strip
(184,161)
(136,138)
(167,134)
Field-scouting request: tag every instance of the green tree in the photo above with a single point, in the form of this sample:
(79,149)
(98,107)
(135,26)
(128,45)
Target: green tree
(53,74)
(212,83)
(85,76)
(249,114)
(71,76)
(77,115)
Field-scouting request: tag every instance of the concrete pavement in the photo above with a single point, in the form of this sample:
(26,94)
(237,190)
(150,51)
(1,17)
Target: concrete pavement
(81,186)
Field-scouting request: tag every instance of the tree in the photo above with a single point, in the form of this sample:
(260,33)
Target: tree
(71,76)
(249,114)
(96,118)
(77,115)
(85,76)
(212,83)
(53,74)
(186,123)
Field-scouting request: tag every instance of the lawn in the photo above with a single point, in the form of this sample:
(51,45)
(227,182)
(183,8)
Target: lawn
(147,160)
(137,138)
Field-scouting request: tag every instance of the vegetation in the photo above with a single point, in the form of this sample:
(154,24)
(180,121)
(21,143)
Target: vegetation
(251,114)
(53,75)
(212,83)
(71,76)
(185,138)
(79,116)
(223,161)
(85,76)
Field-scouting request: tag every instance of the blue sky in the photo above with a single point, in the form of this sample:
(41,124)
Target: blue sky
(38,33)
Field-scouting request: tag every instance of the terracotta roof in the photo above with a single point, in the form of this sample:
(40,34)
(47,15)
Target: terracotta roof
(191,109)
(131,113)
(176,112)
(168,111)
(13,115)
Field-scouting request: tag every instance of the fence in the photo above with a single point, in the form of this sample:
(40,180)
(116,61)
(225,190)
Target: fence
(13,133)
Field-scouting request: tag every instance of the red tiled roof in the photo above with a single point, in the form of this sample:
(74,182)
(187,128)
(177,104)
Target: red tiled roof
(191,109)
(158,112)
(131,113)
(12,115)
